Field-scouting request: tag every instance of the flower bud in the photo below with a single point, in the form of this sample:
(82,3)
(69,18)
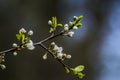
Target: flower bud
(53,43)
(30,32)
(44,56)
(56,48)
(75,27)
(3,66)
(30,45)
(60,55)
(75,17)
(66,28)
(14,45)
(49,22)
(15,53)
(64,55)
(70,34)
(68,56)
(22,30)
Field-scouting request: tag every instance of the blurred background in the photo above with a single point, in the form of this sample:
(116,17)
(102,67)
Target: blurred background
(96,45)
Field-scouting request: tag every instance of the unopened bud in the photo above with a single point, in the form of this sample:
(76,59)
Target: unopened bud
(30,32)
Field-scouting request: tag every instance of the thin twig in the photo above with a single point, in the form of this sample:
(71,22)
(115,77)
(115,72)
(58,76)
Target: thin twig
(35,44)
(59,60)
(9,50)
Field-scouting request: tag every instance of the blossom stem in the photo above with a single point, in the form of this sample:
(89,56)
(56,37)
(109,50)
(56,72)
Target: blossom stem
(35,44)
(59,60)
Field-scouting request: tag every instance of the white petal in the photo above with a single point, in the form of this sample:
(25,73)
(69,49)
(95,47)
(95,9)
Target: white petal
(22,30)
(56,48)
(14,45)
(30,32)
(30,45)
(49,22)
(60,55)
(75,27)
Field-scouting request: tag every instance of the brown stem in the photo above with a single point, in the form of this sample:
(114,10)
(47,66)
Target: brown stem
(35,44)
(59,60)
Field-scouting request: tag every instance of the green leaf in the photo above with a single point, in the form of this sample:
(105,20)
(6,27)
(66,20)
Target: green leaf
(79,68)
(67,70)
(79,25)
(80,17)
(27,39)
(54,22)
(51,30)
(59,25)
(80,75)
(71,24)
(18,36)
(22,38)
(74,71)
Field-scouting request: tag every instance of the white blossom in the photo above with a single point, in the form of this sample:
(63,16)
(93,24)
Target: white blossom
(53,43)
(60,49)
(60,55)
(56,48)
(22,30)
(75,17)
(66,27)
(30,45)
(15,53)
(68,56)
(30,32)
(14,45)
(71,33)
(75,27)
(3,66)
(64,55)
(44,56)
(49,22)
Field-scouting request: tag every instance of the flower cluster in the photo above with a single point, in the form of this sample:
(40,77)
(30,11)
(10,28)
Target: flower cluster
(1,61)
(76,71)
(53,24)
(58,51)
(72,26)
(25,42)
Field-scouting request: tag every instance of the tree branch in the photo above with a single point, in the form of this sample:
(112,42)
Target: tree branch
(35,44)
(59,60)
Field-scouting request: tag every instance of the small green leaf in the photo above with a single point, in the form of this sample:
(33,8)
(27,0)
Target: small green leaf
(71,24)
(22,38)
(59,25)
(79,25)
(74,71)
(54,22)
(18,37)
(67,70)
(51,30)
(79,68)
(80,17)
(80,75)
